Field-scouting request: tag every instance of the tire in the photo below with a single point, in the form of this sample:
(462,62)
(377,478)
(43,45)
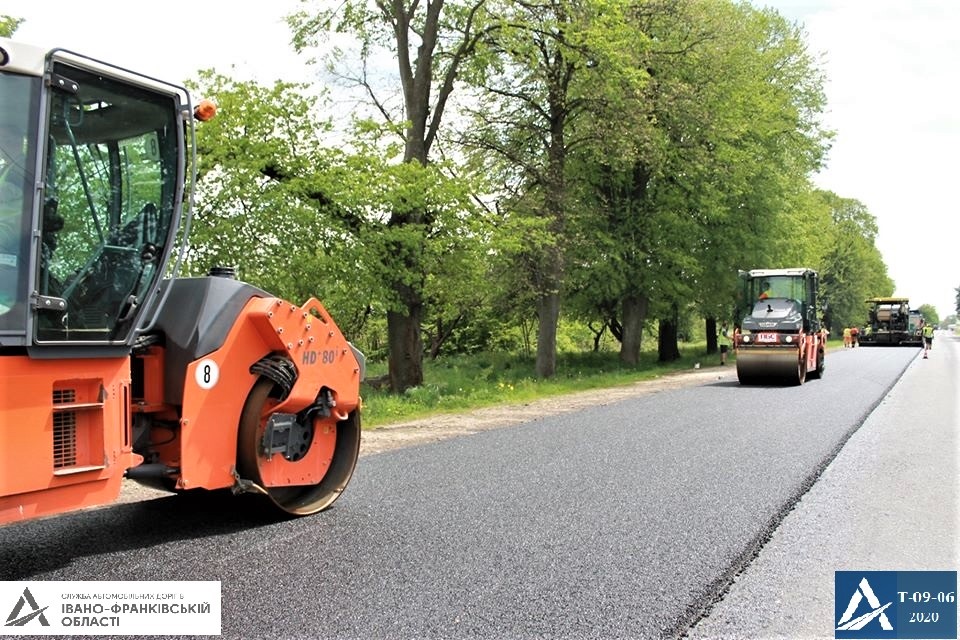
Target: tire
(817,373)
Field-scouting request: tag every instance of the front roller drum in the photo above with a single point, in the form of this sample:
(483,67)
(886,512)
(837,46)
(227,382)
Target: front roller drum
(279,479)
(770,365)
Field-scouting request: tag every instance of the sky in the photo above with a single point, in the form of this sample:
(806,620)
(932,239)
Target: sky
(893,92)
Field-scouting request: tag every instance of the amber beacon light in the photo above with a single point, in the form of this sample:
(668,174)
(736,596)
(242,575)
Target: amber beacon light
(205,110)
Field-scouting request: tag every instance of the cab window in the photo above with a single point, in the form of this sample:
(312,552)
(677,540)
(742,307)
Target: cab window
(109,196)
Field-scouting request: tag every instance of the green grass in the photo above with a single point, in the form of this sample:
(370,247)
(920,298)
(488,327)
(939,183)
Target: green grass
(461,383)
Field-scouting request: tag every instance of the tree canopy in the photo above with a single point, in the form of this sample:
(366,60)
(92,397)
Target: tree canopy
(8,25)
(612,164)
(517,168)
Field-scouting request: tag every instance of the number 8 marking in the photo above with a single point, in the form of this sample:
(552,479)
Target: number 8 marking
(207,374)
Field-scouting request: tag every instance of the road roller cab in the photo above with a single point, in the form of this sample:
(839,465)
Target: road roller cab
(778,337)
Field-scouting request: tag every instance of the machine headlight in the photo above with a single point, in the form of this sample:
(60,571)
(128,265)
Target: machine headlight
(746,338)
(788,339)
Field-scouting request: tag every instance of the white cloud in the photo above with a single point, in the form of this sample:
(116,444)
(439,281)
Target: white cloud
(893,102)
(170,40)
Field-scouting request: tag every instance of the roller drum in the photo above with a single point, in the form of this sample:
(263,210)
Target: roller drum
(757,365)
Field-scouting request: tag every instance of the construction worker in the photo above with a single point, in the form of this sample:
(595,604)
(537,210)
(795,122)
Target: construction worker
(846,337)
(724,341)
(927,332)
(765,290)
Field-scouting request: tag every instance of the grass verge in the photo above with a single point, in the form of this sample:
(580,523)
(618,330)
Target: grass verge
(461,383)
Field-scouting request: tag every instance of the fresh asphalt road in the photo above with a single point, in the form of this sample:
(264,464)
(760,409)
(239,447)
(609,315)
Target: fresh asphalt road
(627,520)
(888,502)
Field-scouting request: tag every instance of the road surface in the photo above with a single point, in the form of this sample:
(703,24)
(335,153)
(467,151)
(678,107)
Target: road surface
(626,520)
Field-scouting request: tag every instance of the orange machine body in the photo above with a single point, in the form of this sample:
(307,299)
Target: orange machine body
(64,434)
(205,449)
(68,426)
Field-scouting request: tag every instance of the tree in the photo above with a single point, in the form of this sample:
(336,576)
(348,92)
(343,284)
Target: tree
(852,269)
(749,138)
(529,100)
(694,182)
(301,216)
(756,95)
(277,202)
(430,41)
(549,66)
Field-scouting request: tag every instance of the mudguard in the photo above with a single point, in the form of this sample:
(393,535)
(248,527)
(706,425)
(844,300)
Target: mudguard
(217,330)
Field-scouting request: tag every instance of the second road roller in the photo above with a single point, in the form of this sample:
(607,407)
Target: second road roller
(779,337)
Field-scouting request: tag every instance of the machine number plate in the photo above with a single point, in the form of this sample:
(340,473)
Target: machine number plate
(767,338)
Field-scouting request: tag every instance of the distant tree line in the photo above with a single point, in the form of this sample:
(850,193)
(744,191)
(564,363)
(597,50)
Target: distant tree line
(511,164)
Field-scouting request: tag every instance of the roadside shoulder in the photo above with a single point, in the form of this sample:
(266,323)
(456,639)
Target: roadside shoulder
(448,425)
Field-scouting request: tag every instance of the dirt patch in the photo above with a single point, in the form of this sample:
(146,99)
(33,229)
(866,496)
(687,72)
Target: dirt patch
(441,427)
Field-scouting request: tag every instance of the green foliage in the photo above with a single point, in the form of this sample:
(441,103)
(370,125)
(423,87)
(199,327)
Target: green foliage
(707,170)
(628,159)
(268,199)
(8,25)
(929,313)
(852,268)
(301,215)
(429,41)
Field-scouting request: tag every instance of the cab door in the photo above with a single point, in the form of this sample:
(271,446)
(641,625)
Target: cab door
(113,185)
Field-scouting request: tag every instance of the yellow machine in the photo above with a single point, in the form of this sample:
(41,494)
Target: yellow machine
(111,365)
(891,322)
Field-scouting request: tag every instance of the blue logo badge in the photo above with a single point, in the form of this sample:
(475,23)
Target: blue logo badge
(895,604)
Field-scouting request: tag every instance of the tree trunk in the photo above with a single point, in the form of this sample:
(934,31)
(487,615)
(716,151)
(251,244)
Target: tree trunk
(711,335)
(443,333)
(667,348)
(550,280)
(634,314)
(548,310)
(416,76)
(597,335)
(526,331)
(405,348)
